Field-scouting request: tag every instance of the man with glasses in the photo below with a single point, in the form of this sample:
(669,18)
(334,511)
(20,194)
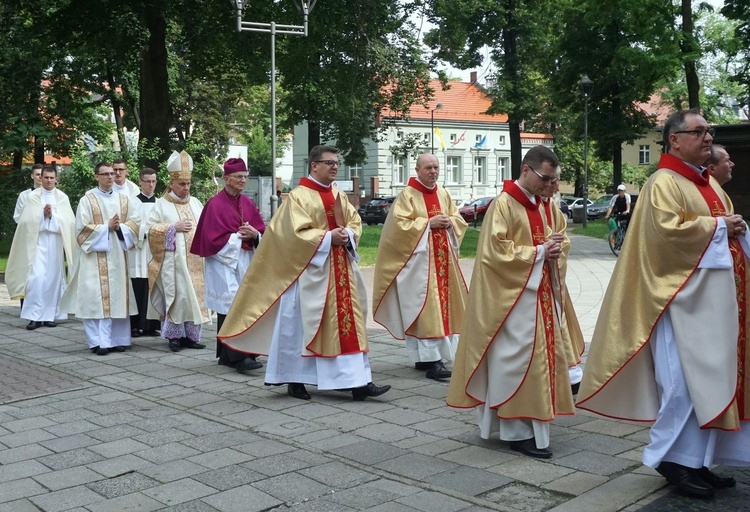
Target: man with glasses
(303,300)
(140,255)
(667,346)
(100,293)
(122,184)
(227,235)
(419,290)
(511,363)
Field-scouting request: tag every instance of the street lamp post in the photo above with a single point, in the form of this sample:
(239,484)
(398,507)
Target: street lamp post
(587,85)
(439,106)
(273,29)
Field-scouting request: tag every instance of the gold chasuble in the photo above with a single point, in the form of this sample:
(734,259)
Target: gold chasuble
(570,328)
(676,218)
(333,303)
(511,353)
(419,289)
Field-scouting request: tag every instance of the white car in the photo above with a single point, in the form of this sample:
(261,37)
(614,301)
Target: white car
(578,203)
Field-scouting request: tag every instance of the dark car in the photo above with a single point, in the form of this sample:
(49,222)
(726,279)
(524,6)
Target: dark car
(476,209)
(377,210)
(361,209)
(566,209)
(598,209)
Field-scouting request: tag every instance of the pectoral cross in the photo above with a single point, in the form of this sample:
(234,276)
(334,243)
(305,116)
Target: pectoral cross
(538,235)
(717,210)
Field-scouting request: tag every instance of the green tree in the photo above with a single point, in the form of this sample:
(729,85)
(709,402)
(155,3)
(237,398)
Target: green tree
(739,11)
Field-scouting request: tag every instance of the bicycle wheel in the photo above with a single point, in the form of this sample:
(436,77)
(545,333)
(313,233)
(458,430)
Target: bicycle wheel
(615,241)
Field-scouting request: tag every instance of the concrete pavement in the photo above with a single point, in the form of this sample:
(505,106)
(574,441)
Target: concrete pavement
(150,430)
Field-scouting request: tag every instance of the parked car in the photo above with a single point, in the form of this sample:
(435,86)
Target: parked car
(361,209)
(565,208)
(578,203)
(599,208)
(476,209)
(460,203)
(377,210)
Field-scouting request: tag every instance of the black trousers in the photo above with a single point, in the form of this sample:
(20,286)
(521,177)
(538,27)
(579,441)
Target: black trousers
(223,352)
(139,321)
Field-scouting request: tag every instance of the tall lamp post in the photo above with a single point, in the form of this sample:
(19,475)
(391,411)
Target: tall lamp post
(439,106)
(273,29)
(587,85)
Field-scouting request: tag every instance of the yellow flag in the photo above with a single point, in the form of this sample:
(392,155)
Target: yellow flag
(440,137)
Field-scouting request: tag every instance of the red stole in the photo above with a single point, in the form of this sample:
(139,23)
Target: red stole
(548,210)
(348,338)
(716,205)
(441,249)
(544,295)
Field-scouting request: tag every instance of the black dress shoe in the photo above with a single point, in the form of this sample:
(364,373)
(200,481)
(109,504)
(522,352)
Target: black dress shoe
(135,333)
(359,394)
(188,343)
(50,324)
(297,390)
(102,351)
(528,448)
(438,371)
(32,325)
(247,364)
(94,349)
(119,348)
(174,345)
(574,388)
(685,480)
(424,366)
(714,480)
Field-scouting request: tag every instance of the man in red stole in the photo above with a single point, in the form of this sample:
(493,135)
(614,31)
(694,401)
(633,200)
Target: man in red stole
(419,291)
(569,326)
(303,301)
(668,347)
(228,232)
(511,362)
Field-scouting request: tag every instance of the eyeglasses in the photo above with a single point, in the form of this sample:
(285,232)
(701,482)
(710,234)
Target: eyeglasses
(329,163)
(700,132)
(546,179)
(107,174)
(238,176)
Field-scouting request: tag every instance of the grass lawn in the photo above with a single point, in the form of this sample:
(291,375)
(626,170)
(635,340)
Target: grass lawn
(4,250)
(368,245)
(597,228)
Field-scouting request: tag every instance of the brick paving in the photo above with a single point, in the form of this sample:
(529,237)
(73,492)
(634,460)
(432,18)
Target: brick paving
(151,430)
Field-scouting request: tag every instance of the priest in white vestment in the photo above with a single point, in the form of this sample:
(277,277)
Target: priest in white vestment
(175,274)
(36,177)
(42,246)
(100,292)
(122,184)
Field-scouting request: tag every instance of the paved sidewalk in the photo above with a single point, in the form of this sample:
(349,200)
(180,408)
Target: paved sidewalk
(149,429)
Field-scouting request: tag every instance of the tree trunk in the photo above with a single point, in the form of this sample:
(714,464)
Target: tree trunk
(515,148)
(18,160)
(689,48)
(616,165)
(510,61)
(155,108)
(313,135)
(117,111)
(38,150)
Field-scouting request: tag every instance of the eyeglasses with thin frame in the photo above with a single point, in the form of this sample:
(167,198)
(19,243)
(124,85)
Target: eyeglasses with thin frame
(546,179)
(700,132)
(238,176)
(329,163)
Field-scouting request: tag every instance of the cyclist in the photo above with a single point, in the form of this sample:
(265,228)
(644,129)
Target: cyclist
(620,204)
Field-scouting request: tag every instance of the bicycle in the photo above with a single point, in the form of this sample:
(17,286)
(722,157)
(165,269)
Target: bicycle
(616,236)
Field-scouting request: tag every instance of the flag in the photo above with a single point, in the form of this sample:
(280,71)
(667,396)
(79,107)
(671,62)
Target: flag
(440,137)
(482,141)
(460,139)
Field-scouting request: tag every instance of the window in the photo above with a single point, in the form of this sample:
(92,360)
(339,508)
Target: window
(399,135)
(480,169)
(453,137)
(426,137)
(478,137)
(399,171)
(502,140)
(453,169)
(354,170)
(644,154)
(502,169)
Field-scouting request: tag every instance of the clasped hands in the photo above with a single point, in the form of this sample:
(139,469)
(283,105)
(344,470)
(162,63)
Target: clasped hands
(440,221)
(339,236)
(553,248)
(247,232)
(735,225)
(183,226)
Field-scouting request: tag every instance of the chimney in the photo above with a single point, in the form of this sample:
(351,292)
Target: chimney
(473,77)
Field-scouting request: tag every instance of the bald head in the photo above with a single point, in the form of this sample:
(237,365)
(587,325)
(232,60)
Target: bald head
(428,169)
